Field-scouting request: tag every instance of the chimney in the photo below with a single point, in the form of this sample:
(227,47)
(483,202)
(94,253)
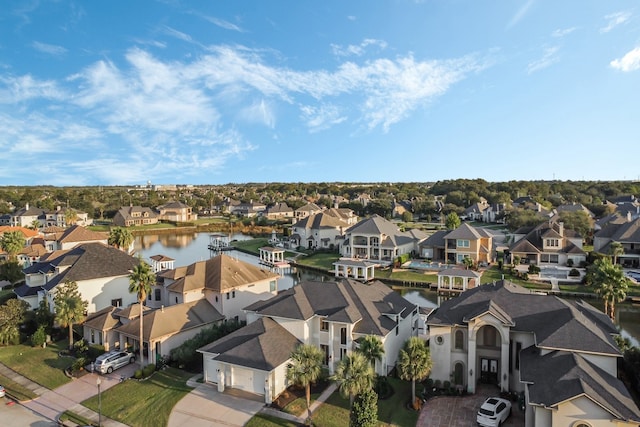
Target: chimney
(561,228)
(162,308)
(26,207)
(628,216)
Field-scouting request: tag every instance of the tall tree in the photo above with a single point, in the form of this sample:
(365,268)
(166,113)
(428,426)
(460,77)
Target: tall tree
(121,238)
(616,249)
(414,362)
(452,221)
(141,279)
(609,282)
(354,375)
(372,348)
(12,243)
(12,314)
(70,217)
(304,369)
(69,306)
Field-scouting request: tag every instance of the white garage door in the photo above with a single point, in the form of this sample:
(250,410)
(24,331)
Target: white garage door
(243,379)
(211,368)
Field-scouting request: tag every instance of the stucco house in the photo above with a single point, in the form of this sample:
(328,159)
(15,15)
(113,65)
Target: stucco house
(454,246)
(99,327)
(227,283)
(376,238)
(549,243)
(101,272)
(25,217)
(176,212)
(306,210)
(330,315)
(279,211)
(128,216)
(318,231)
(627,233)
(561,354)
(60,215)
(76,235)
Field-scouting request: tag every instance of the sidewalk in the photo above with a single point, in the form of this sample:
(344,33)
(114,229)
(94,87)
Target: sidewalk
(52,403)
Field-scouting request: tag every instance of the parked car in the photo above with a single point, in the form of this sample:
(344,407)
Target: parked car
(2,392)
(109,362)
(634,275)
(493,412)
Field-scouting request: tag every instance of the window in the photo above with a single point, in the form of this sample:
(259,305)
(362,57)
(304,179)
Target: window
(228,295)
(343,353)
(518,348)
(149,296)
(93,337)
(158,293)
(233,294)
(176,300)
(272,286)
(343,336)
(459,340)
(116,302)
(325,350)
(510,355)
(216,298)
(324,325)
(463,243)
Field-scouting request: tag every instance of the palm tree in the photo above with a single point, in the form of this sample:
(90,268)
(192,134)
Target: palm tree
(616,249)
(372,348)
(354,375)
(121,238)
(12,242)
(35,224)
(71,217)
(468,262)
(141,279)
(609,282)
(70,307)
(304,369)
(414,362)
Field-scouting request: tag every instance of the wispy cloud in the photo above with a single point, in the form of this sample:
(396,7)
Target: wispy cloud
(50,49)
(549,57)
(357,50)
(223,24)
(176,34)
(629,62)
(520,13)
(614,20)
(559,33)
(22,88)
(318,118)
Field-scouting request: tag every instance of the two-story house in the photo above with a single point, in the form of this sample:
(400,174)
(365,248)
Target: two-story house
(560,354)
(627,233)
(549,243)
(279,211)
(176,212)
(65,217)
(27,216)
(306,210)
(330,315)
(318,231)
(468,241)
(129,216)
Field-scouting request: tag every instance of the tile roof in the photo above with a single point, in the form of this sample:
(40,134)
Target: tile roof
(367,305)
(220,274)
(26,232)
(262,344)
(556,323)
(560,376)
(173,319)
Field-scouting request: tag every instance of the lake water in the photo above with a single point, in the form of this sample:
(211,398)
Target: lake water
(188,248)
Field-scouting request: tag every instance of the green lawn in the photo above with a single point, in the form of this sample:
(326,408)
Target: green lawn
(391,412)
(144,403)
(322,260)
(16,391)
(49,372)
(251,246)
(406,275)
(262,420)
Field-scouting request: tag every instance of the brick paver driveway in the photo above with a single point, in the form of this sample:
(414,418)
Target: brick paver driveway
(446,411)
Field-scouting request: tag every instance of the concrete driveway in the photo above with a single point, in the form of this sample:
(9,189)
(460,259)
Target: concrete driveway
(205,406)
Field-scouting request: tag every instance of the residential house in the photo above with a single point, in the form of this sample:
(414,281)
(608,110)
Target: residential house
(76,235)
(574,207)
(176,212)
(60,215)
(330,315)
(100,271)
(27,216)
(549,243)
(468,241)
(161,263)
(494,213)
(475,212)
(99,328)
(433,247)
(248,210)
(398,208)
(279,211)
(227,283)
(307,210)
(317,231)
(376,238)
(129,216)
(343,214)
(31,248)
(560,354)
(626,233)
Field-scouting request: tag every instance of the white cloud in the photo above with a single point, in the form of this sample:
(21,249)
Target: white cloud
(520,13)
(559,33)
(259,112)
(549,57)
(23,88)
(629,62)
(614,20)
(357,50)
(50,49)
(224,24)
(321,117)
(177,34)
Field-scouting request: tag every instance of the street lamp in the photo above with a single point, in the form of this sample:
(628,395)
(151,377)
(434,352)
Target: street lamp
(99,403)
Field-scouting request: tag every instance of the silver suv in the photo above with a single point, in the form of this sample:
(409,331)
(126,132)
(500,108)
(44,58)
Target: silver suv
(113,360)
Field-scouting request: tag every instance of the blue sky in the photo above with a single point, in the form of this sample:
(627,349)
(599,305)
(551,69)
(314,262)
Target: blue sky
(213,92)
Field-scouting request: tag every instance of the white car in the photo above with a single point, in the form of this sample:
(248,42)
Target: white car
(493,412)
(2,392)
(109,362)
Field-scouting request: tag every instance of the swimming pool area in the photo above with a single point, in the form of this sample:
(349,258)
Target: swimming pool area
(427,265)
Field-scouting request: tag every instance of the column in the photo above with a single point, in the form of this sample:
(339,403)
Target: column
(471,371)
(504,364)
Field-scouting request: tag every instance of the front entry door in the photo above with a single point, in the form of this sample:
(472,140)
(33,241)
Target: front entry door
(489,371)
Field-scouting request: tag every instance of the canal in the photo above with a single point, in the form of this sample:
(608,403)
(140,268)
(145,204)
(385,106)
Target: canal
(187,248)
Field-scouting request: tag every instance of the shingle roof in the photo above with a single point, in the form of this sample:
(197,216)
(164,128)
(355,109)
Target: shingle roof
(374,225)
(220,274)
(173,319)
(77,233)
(102,320)
(367,305)
(465,231)
(560,376)
(556,323)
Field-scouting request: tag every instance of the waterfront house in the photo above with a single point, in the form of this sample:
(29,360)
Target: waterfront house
(548,243)
(129,216)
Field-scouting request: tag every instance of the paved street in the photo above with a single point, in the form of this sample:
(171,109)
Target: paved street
(16,415)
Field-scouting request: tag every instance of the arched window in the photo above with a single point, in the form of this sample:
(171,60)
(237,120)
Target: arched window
(581,424)
(457,374)
(459,340)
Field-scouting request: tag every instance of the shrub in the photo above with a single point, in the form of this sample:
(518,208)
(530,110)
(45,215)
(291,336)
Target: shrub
(428,383)
(534,269)
(574,273)
(364,412)
(438,384)
(524,276)
(79,363)
(94,351)
(500,264)
(446,385)
(137,374)
(570,262)
(39,337)
(382,387)
(80,347)
(148,370)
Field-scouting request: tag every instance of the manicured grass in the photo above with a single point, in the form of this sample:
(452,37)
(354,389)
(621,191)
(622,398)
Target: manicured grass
(575,288)
(144,403)
(41,365)
(391,412)
(406,275)
(299,406)
(251,246)
(75,418)
(262,420)
(322,260)
(15,390)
